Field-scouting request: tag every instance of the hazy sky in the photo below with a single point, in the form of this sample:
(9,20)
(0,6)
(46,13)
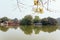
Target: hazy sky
(9,8)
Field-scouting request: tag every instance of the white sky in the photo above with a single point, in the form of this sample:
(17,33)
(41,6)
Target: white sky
(9,9)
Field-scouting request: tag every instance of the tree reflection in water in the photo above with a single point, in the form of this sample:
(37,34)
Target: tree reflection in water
(49,28)
(37,29)
(28,30)
(4,29)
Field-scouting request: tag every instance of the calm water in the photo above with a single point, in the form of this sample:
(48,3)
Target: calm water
(30,33)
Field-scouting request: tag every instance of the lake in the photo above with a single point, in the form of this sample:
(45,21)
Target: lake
(30,32)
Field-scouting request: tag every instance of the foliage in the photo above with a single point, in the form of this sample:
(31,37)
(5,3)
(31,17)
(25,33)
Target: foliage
(41,5)
(49,21)
(3,19)
(58,21)
(36,19)
(15,20)
(27,20)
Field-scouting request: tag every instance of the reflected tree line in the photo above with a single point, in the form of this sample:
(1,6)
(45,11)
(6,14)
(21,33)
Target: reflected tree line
(30,29)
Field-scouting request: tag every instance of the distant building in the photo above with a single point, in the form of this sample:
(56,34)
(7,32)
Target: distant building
(12,23)
(4,23)
(37,23)
(9,23)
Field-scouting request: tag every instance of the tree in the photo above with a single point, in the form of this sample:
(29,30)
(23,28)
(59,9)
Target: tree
(15,20)
(49,21)
(58,21)
(52,21)
(44,21)
(0,20)
(3,19)
(36,19)
(27,20)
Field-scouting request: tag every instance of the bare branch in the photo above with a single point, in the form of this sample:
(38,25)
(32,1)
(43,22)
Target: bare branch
(18,5)
(21,5)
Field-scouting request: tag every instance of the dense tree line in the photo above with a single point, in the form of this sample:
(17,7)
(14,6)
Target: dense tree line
(29,20)
(49,21)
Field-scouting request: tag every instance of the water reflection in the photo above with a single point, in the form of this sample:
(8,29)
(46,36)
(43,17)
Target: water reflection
(49,29)
(30,29)
(4,29)
(37,29)
(27,29)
